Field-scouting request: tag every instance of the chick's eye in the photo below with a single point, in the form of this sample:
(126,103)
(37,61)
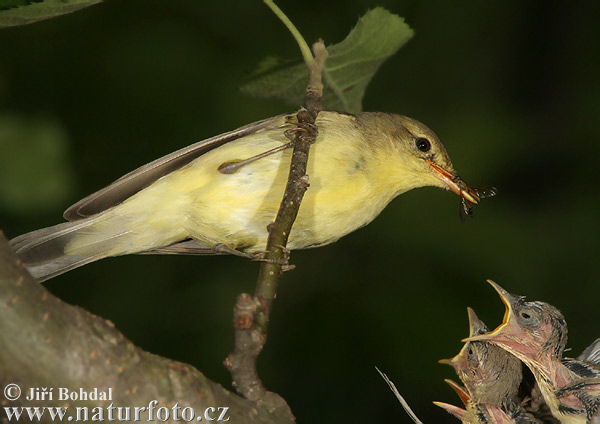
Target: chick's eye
(423,144)
(528,317)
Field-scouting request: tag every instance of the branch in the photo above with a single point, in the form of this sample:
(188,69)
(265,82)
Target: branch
(279,230)
(45,342)
(251,315)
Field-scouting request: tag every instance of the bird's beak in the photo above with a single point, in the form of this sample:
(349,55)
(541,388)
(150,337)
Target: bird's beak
(455,183)
(454,410)
(461,391)
(456,361)
(476,327)
(459,361)
(509,334)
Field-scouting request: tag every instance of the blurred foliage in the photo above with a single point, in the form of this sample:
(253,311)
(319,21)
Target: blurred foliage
(35,173)
(511,88)
(350,65)
(22,12)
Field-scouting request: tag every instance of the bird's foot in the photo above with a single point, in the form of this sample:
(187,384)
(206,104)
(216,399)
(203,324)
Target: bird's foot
(259,256)
(304,129)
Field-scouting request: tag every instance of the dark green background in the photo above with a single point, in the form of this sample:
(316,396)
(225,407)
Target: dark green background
(511,89)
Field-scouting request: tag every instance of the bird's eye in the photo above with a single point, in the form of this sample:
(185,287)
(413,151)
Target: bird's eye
(423,144)
(529,317)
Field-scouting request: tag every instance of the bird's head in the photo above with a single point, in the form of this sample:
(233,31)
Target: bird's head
(488,372)
(529,330)
(417,158)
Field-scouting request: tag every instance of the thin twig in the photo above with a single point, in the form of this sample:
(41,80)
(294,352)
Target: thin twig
(251,316)
(297,185)
(306,54)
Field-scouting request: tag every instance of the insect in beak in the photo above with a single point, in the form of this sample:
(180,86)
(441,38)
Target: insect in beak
(469,194)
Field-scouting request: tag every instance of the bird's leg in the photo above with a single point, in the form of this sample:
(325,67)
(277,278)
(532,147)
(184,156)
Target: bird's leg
(301,127)
(233,166)
(222,248)
(259,256)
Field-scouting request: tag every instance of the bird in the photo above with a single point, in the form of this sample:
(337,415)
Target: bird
(483,415)
(536,333)
(480,413)
(491,378)
(490,374)
(476,413)
(193,201)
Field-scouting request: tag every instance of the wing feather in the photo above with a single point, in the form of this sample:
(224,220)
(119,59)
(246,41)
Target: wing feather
(142,177)
(186,247)
(591,353)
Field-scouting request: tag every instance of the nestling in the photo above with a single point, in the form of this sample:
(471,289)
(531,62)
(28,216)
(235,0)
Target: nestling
(536,333)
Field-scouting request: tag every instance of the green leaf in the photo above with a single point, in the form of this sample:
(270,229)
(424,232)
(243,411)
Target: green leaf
(22,12)
(349,68)
(35,173)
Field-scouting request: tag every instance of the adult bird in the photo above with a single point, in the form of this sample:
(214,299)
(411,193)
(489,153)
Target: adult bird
(219,195)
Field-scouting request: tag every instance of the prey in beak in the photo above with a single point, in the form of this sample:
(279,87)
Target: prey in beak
(469,194)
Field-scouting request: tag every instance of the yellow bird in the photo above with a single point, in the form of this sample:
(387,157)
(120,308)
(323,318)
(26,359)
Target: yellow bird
(184,204)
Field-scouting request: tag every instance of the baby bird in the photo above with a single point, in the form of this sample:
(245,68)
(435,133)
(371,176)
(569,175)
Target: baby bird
(490,374)
(491,377)
(536,333)
(475,413)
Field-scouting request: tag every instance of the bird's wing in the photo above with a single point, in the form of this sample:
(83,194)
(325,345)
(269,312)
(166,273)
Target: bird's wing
(587,370)
(591,353)
(137,180)
(186,247)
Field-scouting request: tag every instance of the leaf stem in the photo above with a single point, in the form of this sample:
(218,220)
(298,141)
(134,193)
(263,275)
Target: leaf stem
(306,53)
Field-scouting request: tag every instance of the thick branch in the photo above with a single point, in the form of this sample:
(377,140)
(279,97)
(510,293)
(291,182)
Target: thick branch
(45,342)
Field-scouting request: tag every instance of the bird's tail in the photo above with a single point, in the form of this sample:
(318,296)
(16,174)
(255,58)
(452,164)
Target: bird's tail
(43,251)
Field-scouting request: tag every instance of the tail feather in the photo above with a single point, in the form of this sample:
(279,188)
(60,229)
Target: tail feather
(44,271)
(43,251)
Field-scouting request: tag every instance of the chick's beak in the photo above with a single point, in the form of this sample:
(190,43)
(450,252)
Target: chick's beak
(455,183)
(448,361)
(462,392)
(504,331)
(454,410)
(509,333)
(476,327)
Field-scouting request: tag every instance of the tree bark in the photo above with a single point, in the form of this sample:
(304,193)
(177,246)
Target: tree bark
(46,343)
